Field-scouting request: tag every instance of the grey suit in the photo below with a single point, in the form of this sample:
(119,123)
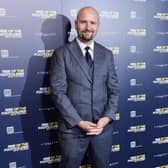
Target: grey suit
(80,92)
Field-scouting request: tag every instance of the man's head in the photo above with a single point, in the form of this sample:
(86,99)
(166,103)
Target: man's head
(87,24)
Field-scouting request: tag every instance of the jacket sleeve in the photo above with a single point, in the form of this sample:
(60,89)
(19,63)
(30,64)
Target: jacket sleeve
(58,81)
(112,90)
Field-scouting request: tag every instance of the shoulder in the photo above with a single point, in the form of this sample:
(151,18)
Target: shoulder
(66,48)
(103,48)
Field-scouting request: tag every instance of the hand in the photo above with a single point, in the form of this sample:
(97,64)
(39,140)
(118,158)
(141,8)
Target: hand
(102,122)
(89,127)
(86,125)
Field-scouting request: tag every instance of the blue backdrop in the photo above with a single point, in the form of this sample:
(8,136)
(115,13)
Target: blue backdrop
(137,33)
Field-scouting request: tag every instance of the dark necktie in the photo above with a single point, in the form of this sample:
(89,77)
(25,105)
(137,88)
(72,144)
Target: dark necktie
(88,56)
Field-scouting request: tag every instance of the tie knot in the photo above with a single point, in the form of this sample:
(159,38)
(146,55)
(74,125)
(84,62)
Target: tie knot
(87,48)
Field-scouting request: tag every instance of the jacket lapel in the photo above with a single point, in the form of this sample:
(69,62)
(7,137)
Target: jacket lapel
(77,53)
(99,61)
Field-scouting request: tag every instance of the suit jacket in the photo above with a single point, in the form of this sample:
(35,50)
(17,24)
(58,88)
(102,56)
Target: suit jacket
(78,94)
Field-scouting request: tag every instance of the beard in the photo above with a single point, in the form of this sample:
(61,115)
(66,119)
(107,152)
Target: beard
(83,36)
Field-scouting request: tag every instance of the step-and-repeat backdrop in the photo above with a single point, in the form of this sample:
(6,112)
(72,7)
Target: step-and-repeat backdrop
(137,33)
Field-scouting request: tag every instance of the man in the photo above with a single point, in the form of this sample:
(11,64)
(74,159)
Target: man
(85,91)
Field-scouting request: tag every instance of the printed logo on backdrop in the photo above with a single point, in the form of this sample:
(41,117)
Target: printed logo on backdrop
(160,111)
(115,50)
(9,93)
(24,146)
(15,111)
(137,98)
(48,126)
(133,114)
(115,148)
(133,15)
(133,82)
(51,159)
(44,53)
(161,80)
(161,49)
(44,91)
(161,16)
(161,140)
(4,13)
(139,32)
(11,33)
(137,158)
(133,144)
(137,128)
(163,166)
(12,73)
(15,165)
(45,14)
(10,130)
(4,54)
(137,65)
(114,15)
(134,50)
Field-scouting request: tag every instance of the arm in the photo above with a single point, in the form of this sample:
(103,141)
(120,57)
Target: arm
(59,89)
(113,94)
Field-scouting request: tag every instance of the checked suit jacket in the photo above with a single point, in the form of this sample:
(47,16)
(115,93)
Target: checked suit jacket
(80,92)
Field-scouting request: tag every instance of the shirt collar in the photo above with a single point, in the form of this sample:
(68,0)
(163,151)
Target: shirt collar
(82,45)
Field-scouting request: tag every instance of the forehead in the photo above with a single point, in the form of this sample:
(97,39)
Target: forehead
(88,14)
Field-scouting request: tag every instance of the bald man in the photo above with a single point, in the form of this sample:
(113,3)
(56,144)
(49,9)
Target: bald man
(85,91)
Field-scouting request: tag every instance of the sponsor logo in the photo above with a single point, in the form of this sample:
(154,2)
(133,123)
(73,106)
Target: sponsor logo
(15,111)
(11,130)
(161,80)
(44,14)
(2,12)
(133,144)
(161,49)
(11,33)
(8,93)
(49,143)
(115,148)
(137,128)
(161,65)
(161,16)
(161,126)
(48,126)
(44,53)
(110,14)
(160,111)
(137,32)
(137,65)
(133,114)
(160,155)
(133,15)
(12,73)
(161,96)
(133,50)
(86,166)
(163,166)
(51,159)
(133,82)
(137,98)
(44,90)
(17,147)
(115,50)
(117,116)
(137,158)
(161,140)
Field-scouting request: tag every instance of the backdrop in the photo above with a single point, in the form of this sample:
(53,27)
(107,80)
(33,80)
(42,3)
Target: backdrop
(137,33)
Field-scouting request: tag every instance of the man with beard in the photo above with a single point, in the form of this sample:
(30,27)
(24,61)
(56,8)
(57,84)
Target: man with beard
(85,91)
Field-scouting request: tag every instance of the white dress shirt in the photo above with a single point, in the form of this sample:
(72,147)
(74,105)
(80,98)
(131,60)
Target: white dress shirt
(82,47)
